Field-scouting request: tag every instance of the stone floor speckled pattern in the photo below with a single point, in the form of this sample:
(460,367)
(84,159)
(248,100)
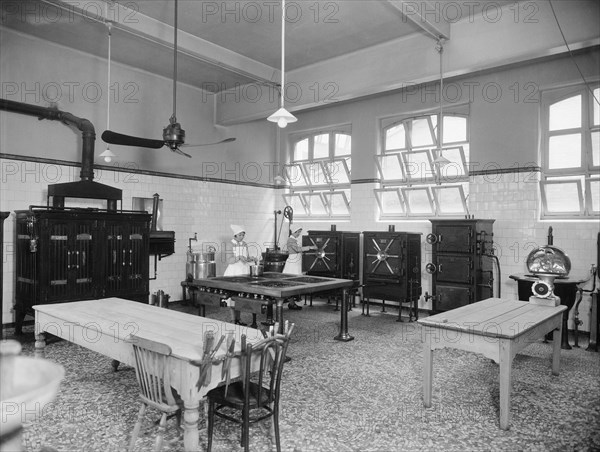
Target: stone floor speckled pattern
(363,395)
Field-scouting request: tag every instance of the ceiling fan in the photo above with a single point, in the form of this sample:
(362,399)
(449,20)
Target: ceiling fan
(173,134)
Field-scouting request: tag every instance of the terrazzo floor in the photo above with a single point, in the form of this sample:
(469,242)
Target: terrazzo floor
(364,395)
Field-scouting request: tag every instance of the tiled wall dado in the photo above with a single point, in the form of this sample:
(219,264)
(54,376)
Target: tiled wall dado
(207,208)
(189,206)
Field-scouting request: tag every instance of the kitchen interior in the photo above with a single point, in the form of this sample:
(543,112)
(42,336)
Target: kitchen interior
(88,88)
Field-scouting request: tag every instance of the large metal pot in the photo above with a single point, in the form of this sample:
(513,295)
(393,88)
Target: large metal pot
(201,265)
(274,261)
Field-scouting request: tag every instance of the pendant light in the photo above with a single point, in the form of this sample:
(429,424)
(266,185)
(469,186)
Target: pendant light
(440,160)
(282,117)
(108,155)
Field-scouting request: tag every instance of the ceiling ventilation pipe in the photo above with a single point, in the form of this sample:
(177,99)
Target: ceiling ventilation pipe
(86,187)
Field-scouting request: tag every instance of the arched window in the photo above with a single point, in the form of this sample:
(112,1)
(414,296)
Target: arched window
(570,157)
(420,178)
(319,174)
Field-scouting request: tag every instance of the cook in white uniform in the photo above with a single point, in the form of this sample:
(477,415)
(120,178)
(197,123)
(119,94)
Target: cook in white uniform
(239,262)
(293,264)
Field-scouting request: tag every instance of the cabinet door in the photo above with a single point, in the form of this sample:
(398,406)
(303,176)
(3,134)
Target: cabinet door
(136,266)
(126,265)
(70,273)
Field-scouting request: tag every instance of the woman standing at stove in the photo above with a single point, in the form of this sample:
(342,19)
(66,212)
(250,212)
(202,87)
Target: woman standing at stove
(293,264)
(239,262)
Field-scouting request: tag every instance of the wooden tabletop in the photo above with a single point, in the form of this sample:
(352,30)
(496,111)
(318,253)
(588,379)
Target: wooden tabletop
(494,317)
(117,317)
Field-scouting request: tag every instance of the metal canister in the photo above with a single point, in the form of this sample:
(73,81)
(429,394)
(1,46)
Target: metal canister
(201,265)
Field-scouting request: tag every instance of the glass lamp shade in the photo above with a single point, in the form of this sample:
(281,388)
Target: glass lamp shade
(549,260)
(282,117)
(107,155)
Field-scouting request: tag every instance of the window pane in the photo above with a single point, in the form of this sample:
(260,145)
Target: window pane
(390,202)
(338,202)
(419,201)
(596,106)
(455,167)
(321,146)
(566,114)
(315,173)
(343,144)
(421,133)
(450,200)
(595,195)
(596,148)
(301,150)
(390,166)
(562,197)
(315,204)
(395,138)
(455,129)
(337,172)
(418,166)
(296,203)
(564,151)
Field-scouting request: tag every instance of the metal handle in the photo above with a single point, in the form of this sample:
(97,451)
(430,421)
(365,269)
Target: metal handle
(124,254)
(130,257)
(77,259)
(68,260)
(430,268)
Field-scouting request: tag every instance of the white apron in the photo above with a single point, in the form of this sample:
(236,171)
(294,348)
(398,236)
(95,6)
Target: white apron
(238,268)
(293,263)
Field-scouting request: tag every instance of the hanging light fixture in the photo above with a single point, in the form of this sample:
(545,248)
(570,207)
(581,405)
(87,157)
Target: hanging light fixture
(282,117)
(108,155)
(440,160)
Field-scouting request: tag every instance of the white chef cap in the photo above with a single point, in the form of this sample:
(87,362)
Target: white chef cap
(295,228)
(237,229)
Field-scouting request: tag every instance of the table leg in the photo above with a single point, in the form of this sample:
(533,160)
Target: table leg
(40,345)
(556,347)
(565,337)
(506,357)
(343,335)
(191,415)
(427,371)
(279,314)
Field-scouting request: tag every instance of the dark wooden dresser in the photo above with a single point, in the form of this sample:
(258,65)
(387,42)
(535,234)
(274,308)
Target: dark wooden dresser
(70,254)
(462,262)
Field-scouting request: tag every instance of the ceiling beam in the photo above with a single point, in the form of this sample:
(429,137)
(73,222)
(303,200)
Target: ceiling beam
(145,27)
(425,14)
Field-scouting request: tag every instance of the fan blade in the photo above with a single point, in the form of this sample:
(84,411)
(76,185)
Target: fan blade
(179,151)
(226,140)
(127,140)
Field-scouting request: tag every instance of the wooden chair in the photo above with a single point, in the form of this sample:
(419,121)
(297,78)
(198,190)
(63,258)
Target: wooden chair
(154,379)
(256,395)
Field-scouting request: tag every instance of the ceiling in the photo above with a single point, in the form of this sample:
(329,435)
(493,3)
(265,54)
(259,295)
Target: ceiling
(222,43)
(365,47)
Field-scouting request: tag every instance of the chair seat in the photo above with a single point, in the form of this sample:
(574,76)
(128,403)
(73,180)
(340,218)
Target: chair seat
(235,395)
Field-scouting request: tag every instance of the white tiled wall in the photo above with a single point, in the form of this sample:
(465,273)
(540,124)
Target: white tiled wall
(207,208)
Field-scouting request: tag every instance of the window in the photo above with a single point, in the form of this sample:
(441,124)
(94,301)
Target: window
(417,178)
(570,180)
(319,175)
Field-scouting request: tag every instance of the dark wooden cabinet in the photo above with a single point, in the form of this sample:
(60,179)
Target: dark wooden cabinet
(461,266)
(78,254)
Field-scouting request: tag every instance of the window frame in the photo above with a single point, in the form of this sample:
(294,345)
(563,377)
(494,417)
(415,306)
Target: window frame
(327,188)
(586,170)
(432,174)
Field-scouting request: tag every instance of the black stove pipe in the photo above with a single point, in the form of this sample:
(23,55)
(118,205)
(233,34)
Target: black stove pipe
(88,132)
(86,187)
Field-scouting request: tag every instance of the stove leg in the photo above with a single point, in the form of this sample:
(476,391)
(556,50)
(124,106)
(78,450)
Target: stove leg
(366,302)
(382,305)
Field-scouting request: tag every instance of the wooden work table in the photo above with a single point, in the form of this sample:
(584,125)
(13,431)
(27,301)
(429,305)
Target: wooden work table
(105,325)
(256,294)
(496,328)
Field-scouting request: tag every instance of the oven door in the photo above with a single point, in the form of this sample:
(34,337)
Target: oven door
(383,256)
(324,260)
